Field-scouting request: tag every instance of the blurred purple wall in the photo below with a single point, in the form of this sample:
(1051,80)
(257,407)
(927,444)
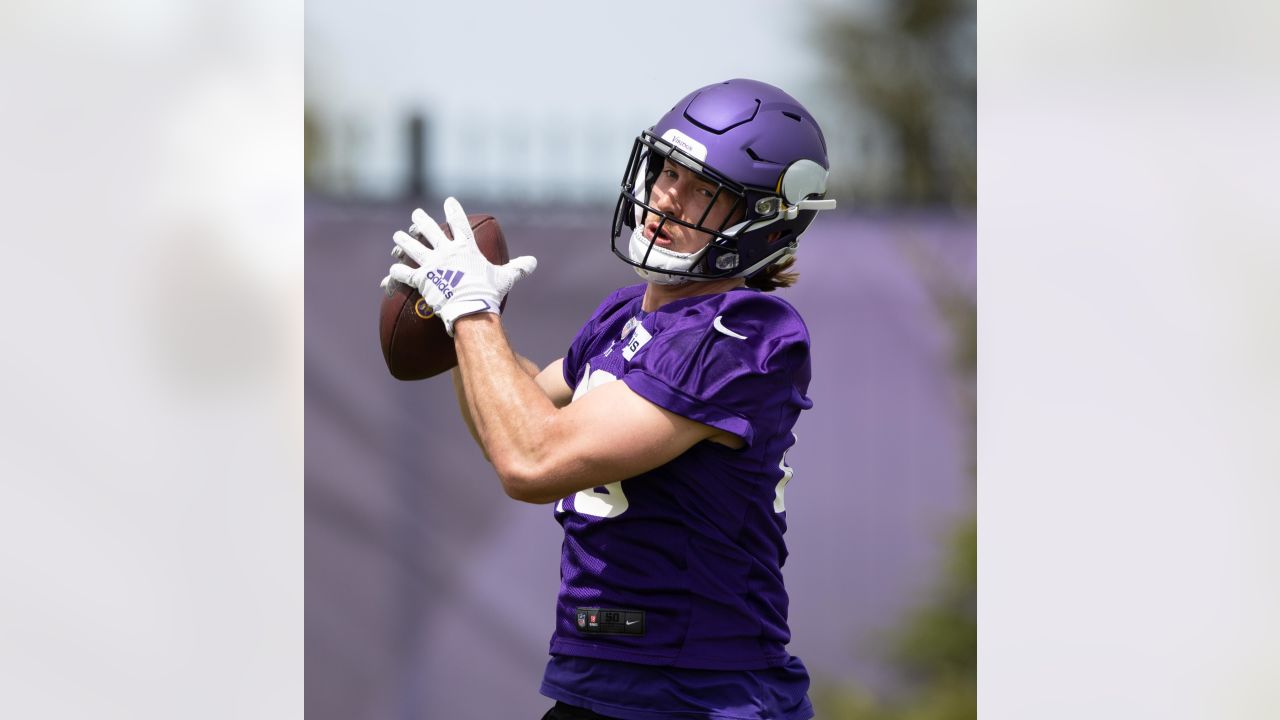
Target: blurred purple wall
(430,594)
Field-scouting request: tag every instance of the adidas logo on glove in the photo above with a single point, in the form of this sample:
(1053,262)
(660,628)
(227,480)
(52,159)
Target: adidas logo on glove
(446,281)
(453,275)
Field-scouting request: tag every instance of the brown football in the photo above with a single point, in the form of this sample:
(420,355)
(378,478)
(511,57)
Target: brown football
(414,342)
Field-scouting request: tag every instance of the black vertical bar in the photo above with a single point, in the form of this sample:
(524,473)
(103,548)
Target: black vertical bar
(416,185)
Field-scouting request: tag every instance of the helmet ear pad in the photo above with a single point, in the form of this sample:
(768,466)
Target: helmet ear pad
(653,168)
(650,167)
(768,244)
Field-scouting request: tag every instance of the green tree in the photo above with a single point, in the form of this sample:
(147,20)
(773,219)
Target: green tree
(912,64)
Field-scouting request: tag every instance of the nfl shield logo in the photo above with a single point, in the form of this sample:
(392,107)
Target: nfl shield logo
(582,619)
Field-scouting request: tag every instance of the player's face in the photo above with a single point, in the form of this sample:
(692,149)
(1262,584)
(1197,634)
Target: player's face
(679,192)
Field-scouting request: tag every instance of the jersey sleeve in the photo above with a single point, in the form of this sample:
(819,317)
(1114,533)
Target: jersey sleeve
(733,365)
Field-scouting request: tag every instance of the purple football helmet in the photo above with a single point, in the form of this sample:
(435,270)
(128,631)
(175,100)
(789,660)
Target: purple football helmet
(749,140)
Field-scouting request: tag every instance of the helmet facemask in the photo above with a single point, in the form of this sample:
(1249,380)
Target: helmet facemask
(719,258)
(745,139)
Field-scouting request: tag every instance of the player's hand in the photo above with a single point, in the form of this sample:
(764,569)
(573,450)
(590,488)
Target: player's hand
(389,284)
(454,277)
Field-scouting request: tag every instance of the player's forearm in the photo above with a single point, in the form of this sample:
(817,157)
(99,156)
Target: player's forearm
(464,408)
(512,415)
(464,404)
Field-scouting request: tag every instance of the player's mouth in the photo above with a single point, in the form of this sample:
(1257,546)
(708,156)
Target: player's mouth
(651,229)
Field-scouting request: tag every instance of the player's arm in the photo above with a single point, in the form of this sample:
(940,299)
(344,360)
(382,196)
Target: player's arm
(542,451)
(549,379)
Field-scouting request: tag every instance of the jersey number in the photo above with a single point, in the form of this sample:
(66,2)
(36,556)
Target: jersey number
(605,502)
(608,501)
(787,472)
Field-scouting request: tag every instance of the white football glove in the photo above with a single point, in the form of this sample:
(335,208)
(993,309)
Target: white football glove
(454,277)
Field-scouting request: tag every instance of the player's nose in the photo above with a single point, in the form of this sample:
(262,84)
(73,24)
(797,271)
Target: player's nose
(666,201)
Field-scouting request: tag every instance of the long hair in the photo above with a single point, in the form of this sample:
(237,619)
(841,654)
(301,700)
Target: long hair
(777,275)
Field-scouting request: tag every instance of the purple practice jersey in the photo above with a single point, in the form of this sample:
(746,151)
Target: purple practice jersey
(682,566)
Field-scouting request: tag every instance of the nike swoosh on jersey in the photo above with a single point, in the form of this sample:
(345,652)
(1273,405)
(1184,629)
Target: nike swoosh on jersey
(720,326)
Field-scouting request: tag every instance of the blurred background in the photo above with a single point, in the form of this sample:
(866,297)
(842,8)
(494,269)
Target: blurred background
(151,379)
(429,593)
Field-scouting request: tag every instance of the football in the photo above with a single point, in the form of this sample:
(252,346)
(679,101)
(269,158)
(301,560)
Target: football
(414,342)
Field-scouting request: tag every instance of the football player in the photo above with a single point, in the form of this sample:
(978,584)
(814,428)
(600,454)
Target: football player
(671,601)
